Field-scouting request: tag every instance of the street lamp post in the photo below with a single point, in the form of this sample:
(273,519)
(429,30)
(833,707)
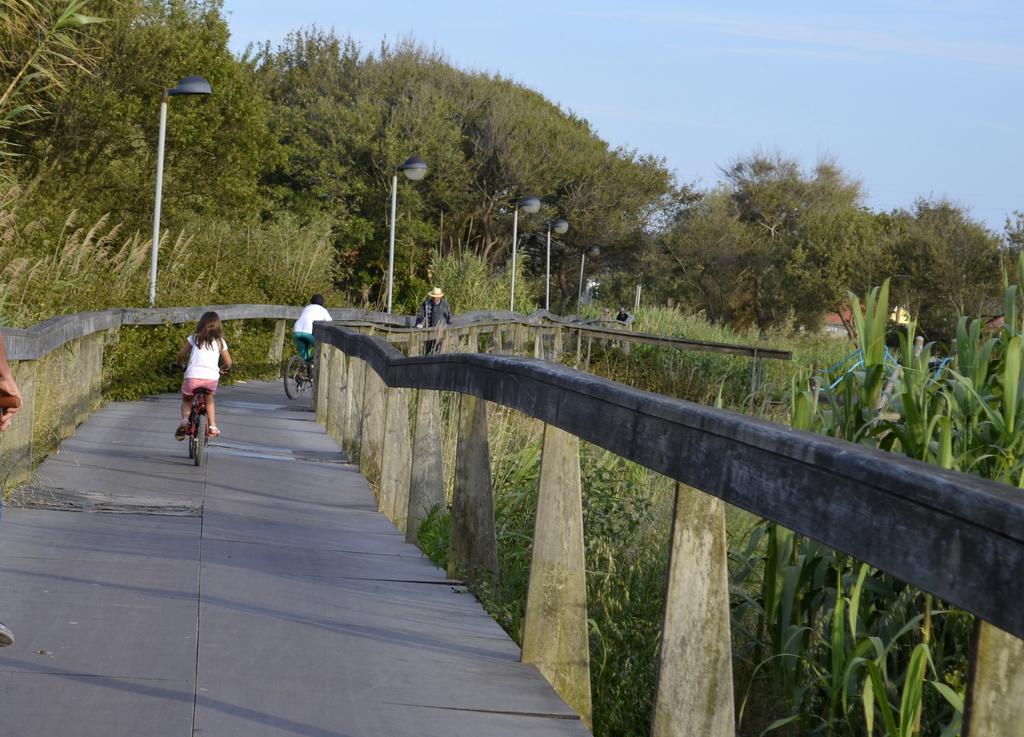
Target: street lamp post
(529,205)
(593,251)
(414,169)
(560,226)
(188,86)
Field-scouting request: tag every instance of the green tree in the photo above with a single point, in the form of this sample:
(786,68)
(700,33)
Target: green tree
(100,151)
(945,264)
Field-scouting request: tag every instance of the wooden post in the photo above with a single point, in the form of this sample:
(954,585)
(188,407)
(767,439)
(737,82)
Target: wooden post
(322,383)
(538,342)
(16,443)
(275,355)
(497,344)
(556,349)
(337,394)
(396,459)
(354,408)
(754,378)
(472,340)
(518,339)
(372,443)
(555,635)
(590,343)
(579,347)
(426,484)
(67,358)
(995,698)
(472,542)
(96,375)
(694,694)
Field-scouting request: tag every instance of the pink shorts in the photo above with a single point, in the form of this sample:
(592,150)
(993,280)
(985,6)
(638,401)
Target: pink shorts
(190,385)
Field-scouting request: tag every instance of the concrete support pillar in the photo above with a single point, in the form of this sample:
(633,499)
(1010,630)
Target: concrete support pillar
(16,443)
(426,483)
(995,699)
(472,545)
(275,354)
(555,635)
(396,459)
(372,443)
(353,412)
(694,694)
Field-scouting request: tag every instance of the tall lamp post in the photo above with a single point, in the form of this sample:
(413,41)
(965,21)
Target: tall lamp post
(529,205)
(560,226)
(414,169)
(592,251)
(188,86)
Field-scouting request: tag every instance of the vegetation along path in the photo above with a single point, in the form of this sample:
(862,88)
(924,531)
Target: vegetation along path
(260,594)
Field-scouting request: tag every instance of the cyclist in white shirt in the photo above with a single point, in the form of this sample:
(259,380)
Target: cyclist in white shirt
(302,331)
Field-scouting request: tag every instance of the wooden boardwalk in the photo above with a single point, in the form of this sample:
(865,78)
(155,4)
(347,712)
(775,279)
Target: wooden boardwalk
(261,594)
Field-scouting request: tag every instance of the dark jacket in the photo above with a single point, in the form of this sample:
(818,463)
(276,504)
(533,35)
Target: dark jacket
(431,315)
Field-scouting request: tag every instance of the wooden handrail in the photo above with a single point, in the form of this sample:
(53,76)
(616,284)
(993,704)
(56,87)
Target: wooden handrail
(930,527)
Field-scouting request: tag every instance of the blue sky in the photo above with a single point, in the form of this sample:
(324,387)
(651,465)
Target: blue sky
(913,98)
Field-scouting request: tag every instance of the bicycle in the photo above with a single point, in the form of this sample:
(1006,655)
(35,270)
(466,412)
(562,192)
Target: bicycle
(298,376)
(198,427)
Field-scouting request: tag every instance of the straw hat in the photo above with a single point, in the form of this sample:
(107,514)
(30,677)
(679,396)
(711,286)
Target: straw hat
(435,292)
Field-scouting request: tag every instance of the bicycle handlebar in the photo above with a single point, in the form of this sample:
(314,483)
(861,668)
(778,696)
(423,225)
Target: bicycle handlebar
(7,402)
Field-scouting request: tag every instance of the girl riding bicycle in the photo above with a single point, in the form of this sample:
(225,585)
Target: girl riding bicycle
(207,354)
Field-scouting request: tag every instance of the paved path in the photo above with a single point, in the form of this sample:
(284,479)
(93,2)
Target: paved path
(261,594)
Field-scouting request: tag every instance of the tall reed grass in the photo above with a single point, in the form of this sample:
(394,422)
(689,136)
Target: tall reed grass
(48,269)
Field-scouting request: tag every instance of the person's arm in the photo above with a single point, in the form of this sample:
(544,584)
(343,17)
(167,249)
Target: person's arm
(422,314)
(8,387)
(225,359)
(447,313)
(181,360)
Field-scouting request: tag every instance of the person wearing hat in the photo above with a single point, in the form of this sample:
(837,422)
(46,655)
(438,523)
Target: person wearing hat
(435,314)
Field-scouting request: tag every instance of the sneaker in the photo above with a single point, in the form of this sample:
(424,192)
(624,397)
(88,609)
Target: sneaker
(6,636)
(181,432)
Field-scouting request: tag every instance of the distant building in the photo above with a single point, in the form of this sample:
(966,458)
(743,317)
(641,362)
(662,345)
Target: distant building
(841,325)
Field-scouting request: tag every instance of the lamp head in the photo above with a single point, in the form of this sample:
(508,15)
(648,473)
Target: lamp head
(194,85)
(560,226)
(529,205)
(414,168)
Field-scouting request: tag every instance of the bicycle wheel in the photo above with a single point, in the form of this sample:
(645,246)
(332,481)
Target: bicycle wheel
(305,378)
(191,437)
(293,374)
(200,440)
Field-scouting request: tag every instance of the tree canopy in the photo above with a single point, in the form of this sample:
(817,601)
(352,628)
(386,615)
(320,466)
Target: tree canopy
(306,135)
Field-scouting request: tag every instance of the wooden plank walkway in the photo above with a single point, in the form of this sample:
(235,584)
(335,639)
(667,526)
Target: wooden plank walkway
(261,594)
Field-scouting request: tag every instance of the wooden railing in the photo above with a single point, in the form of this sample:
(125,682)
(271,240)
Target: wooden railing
(956,536)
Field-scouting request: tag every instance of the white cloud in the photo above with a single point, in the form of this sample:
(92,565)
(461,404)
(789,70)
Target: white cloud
(838,35)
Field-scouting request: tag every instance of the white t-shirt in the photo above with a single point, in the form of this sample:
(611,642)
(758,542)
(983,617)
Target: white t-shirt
(310,314)
(204,361)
